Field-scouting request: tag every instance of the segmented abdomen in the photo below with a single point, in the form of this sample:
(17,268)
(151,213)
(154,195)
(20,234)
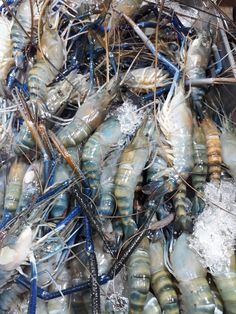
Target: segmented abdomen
(14,186)
(6,60)
(226,284)
(61,202)
(139,277)
(96,149)
(89,116)
(146,79)
(39,76)
(196,297)
(161,281)
(107,200)
(199,172)
(213,144)
(151,305)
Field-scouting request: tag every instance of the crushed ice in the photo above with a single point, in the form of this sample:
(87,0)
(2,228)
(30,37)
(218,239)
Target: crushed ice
(215,229)
(129,118)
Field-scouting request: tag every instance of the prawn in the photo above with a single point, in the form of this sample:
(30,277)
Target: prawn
(176,123)
(6,60)
(195,291)
(21,31)
(95,150)
(144,79)
(74,87)
(131,164)
(90,115)
(49,60)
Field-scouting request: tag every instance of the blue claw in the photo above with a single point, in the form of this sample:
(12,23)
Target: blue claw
(33,289)
(218,60)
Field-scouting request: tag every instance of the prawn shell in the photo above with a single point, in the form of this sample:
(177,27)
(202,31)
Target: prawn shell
(144,79)
(161,282)
(195,291)
(90,115)
(6,60)
(213,149)
(96,148)
(228,146)
(131,164)
(226,284)
(48,63)
(14,186)
(139,277)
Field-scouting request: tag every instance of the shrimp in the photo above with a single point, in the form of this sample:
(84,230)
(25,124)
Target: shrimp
(6,60)
(161,282)
(213,144)
(21,30)
(199,172)
(90,115)
(127,7)
(196,294)
(139,277)
(61,202)
(14,185)
(47,66)
(131,164)
(60,305)
(74,86)
(31,187)
(144,79)
(225,281)
(95,150)
(228,147)
(198,56)
(176,123)
(151,305)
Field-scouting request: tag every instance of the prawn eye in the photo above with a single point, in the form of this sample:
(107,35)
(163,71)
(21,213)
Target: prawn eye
(60,93)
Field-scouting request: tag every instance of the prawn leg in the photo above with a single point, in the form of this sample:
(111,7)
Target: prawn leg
(93,268)
(103,279)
